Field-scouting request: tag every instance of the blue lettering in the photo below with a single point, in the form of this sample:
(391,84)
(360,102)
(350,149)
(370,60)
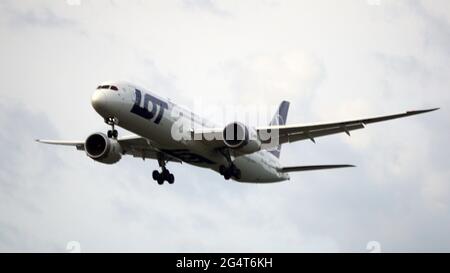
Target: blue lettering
(144,112)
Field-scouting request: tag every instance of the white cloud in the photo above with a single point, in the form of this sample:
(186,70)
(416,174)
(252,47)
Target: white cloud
(293,75)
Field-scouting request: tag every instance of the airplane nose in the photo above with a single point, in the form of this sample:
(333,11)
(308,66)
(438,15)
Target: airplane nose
(99,101)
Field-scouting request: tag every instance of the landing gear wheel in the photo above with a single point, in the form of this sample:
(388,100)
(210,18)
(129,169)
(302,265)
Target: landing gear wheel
(158,177)
(168,176)
(155,175)
(113,132)
(160,180)
(229,172)
(165,174)
(171,178)
(237,173)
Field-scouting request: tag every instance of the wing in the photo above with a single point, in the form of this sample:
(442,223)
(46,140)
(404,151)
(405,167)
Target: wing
(291,133)
(135,146)
(78,144)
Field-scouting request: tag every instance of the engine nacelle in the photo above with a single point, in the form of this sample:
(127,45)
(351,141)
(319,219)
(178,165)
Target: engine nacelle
(240,138)
(103,149)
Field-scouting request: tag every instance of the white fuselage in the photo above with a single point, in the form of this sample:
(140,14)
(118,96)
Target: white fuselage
(150,116)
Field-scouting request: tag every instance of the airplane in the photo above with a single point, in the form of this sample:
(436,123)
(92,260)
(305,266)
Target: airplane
(237,151)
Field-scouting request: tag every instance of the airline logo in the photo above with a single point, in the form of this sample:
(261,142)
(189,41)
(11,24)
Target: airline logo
(155,105)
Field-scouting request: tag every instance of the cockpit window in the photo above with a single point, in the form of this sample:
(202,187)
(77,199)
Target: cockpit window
(112,87)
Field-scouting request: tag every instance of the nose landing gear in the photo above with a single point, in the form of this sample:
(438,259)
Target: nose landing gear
(113,132)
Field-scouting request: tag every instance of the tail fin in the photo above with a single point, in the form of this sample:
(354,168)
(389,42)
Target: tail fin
(279,118)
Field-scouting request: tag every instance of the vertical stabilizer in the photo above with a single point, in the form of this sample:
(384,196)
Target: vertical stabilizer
(279,118)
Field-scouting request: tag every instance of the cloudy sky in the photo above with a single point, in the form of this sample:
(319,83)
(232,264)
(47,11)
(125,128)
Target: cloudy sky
(332,59)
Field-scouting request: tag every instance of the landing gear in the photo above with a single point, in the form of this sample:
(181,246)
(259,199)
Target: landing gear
(164,175)
(231,170)
(113,132)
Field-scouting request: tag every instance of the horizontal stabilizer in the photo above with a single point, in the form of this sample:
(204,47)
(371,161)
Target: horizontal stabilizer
(312,168)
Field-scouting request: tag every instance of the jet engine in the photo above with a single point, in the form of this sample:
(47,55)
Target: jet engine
(240,138)
(103,149)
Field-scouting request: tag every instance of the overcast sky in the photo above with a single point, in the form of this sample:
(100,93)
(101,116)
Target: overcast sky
(332,59)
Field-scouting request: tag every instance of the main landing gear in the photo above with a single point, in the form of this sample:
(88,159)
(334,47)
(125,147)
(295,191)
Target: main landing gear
(231,170)
(164,175)
(113,132)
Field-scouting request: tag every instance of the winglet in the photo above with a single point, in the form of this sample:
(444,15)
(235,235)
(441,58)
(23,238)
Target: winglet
(416,112)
